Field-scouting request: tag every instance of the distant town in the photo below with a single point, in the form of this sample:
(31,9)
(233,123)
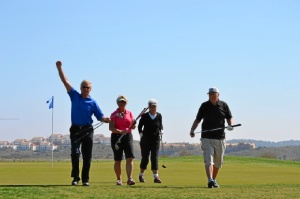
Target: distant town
(57,142)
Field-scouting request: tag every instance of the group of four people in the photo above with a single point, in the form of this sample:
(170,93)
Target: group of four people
(121,123)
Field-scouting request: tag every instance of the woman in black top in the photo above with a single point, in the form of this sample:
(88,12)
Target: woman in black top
(150,127)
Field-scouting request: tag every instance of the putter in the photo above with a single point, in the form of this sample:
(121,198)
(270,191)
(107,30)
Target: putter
(94,127)
(134,122)
(236,125)
(163,152)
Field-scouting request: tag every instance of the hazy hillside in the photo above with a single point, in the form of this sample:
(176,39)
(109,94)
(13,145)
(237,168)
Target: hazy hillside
(261,143)
(284,153)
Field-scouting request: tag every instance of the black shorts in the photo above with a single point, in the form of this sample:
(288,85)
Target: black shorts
(125,146)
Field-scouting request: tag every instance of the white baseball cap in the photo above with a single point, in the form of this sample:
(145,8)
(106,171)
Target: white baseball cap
(152,102)
(213,90)
(122,98)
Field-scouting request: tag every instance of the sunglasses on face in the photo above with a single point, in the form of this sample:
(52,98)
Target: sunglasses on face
(85,87)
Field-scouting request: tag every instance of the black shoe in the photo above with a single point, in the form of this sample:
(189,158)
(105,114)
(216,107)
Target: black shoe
(85,184)
(210,184)
(216,184)
(157,180)
(142,179)
(75,181)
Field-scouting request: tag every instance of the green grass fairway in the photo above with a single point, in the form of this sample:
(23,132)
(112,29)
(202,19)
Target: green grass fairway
(184,177)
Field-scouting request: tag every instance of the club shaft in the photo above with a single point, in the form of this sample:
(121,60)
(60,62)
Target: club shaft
(119,140)
(236,125)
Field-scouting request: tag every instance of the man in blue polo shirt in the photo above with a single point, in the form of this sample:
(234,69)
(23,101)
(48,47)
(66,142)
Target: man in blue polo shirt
(81,130)
(213,112)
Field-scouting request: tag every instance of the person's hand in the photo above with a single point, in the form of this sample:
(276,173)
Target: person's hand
(192,134)
(229,128)
(141,135)
(123,132)
(133,127)
(58,64)
(161,132)
(106,119)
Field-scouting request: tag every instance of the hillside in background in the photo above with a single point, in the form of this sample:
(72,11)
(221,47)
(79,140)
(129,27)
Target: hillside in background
(282,153)
(261,143)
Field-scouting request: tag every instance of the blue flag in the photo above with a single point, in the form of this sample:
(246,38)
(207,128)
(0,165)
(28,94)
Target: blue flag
(51,102)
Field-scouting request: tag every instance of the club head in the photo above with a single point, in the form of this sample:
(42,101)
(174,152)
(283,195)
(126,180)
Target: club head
(164,166)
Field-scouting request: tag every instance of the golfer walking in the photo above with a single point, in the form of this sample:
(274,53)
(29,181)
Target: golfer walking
(122,123)
(213,112)
(81,130)
(150,127)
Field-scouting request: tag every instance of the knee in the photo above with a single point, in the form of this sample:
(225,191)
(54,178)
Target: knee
(75,155)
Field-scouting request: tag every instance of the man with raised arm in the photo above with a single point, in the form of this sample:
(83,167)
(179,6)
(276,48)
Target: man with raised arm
(83,106)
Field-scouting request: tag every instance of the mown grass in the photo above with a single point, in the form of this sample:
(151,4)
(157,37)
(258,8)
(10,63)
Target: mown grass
(184,177)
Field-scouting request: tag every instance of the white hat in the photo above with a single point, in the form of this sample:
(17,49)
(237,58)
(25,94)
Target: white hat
(122,98)
(152,102)
(213,90)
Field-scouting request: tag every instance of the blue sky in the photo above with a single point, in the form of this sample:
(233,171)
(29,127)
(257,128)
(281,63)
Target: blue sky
(169,50)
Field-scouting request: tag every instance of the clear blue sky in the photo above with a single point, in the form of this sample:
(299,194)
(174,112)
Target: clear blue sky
(169,50)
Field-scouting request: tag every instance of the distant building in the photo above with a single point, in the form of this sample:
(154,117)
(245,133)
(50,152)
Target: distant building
(19,141)
(25,146)
(38,140)
(232,147)
(66,140)
(4,144)
(101,139)
(57,139)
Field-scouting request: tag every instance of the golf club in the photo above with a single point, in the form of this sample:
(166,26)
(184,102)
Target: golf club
(163,152)
(94,127)
(134,122)
(236,125)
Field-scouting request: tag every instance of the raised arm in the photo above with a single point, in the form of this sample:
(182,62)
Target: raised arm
(62,76)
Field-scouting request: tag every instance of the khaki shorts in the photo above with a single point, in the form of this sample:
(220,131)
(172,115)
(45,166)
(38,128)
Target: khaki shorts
(213,151)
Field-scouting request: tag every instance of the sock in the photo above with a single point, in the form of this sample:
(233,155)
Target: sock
(141,174)
(155,175)
(210,179)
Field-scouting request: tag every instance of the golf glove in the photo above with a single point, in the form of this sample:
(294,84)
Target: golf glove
(141,135)
(161,132)
(229,128)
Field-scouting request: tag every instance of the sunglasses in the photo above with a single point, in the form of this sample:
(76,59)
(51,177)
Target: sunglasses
(87,87)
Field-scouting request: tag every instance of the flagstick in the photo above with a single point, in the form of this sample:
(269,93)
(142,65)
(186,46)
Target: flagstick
(52,131)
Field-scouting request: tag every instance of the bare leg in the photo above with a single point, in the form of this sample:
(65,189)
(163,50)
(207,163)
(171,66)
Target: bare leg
(209,171)
(142,170)
(215,172)
(155,171)
(129,167)
(118,170)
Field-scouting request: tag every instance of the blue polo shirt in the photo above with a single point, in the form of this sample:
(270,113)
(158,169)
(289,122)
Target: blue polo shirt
(82,109)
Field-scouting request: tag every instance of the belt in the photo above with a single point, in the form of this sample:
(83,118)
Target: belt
(81,127)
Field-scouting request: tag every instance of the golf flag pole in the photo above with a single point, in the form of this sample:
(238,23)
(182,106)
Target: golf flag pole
(51,105)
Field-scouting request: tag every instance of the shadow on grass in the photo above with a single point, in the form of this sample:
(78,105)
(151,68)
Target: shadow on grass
(124,186)
(21,185)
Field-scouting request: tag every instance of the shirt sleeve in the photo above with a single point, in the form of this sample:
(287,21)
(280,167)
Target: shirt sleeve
(228,112)
(161,125)
(141,124)
(97,112)
(200,113)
